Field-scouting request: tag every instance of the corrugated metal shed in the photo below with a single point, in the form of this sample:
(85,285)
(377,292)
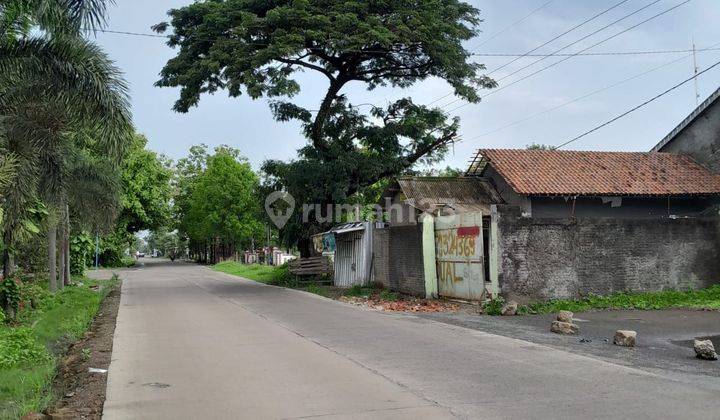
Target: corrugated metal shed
(353,253)
(458,194)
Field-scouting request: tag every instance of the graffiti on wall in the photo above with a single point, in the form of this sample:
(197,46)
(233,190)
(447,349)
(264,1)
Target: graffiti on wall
(459,253)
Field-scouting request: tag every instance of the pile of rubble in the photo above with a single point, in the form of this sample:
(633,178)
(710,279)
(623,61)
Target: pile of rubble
(404,304)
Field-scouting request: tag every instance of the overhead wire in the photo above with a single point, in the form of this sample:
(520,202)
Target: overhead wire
(583,23)
(585,96)
(635,108)
(571,56)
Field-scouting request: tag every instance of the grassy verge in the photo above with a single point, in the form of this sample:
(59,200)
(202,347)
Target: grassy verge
(275,275)
(268,274)
(696,299)
(32,343)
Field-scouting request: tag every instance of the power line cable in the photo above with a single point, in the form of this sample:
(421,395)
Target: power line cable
(512,25)
(590,19)
(585,96)
(598,54)
(581,39)
(585,22)
(635,108)
(571,56)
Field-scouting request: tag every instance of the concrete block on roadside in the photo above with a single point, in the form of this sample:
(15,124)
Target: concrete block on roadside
(566,328)
(625,338)
(704,349)
(509,309)
(565,316)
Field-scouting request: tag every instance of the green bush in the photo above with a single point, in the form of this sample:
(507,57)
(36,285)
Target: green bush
(316,289)
(494,307)
(11,292)
(708,298)
(358,290)
(390,296)
(2,316)
(18,347)
(82,253)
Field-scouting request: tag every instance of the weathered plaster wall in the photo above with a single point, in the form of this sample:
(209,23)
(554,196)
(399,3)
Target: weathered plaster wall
(407,273)
(543,259)
(381,256)
(701,139)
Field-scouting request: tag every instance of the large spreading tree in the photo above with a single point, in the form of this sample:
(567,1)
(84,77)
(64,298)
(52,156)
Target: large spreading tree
(258,47)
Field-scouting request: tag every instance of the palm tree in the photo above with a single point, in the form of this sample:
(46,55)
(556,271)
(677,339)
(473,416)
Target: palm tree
(51,86)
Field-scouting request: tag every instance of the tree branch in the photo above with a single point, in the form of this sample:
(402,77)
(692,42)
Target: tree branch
(308,65)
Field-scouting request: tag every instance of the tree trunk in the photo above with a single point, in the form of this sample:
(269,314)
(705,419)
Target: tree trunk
(7,270)
(7,257)
(52,255)
(66,279)
(61,259)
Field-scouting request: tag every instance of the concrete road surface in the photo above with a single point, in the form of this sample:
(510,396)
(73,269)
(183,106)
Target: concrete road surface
(191,343)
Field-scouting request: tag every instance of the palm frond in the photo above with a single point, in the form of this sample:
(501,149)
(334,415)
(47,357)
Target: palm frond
(76,75)
(8,168)
(52,16)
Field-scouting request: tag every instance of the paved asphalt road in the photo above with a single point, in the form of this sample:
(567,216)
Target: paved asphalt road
(193,343)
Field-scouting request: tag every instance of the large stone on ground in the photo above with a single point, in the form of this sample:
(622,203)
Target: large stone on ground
(565,316)
(509,309)
(704,349)
(625,338)
(567,328)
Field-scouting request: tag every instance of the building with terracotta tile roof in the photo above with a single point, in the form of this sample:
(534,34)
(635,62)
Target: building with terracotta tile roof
(559,183)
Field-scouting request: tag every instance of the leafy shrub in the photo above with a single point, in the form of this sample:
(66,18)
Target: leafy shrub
(2,316)
(704,298)
(18,347)
(390,296)
(82,253)
(358,290)
(494,307)
(11,291)
(315,289)
(33,294)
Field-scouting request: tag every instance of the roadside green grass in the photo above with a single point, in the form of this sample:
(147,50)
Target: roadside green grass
(269,274)
(696,299)
(31,345)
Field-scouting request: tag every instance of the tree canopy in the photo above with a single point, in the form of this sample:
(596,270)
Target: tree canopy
(258,47)
(145,202)
(217,205)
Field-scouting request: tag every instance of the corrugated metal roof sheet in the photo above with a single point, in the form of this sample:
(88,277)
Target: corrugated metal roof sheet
(561,172)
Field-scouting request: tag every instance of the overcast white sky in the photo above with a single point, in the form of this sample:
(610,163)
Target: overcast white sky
(249,126)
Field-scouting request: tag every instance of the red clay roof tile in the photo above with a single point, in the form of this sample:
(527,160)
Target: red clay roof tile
(561,172)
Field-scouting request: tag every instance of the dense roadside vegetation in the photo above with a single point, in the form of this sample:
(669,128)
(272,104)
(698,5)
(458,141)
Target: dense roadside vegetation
(75,180)
(31,345)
